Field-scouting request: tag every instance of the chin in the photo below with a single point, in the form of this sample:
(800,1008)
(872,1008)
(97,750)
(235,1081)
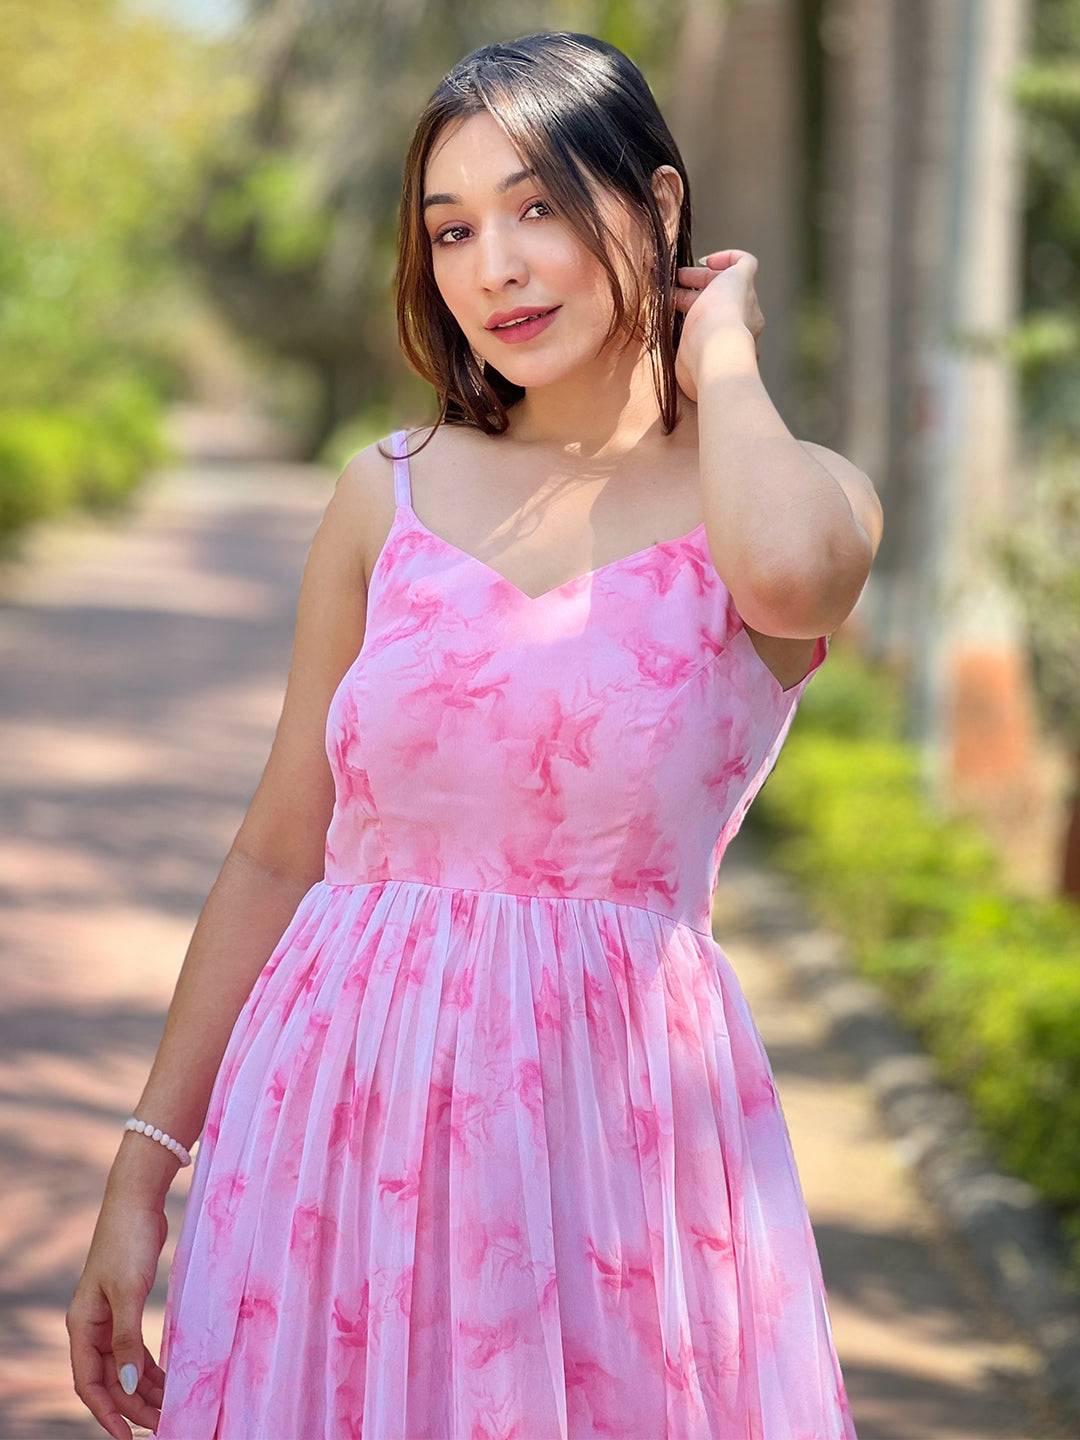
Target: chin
(526,376)
(536,370)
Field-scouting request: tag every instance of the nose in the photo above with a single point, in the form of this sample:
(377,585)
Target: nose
(499,259)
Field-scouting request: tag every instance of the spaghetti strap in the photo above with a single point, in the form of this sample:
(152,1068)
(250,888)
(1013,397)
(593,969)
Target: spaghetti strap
(402,486)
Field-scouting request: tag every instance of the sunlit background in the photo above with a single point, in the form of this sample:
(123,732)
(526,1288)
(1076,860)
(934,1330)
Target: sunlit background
(198,208)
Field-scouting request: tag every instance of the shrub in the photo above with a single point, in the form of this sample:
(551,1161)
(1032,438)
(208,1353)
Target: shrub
(988,980)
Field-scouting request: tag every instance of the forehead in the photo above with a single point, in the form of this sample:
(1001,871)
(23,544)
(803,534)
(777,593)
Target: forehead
(470,153)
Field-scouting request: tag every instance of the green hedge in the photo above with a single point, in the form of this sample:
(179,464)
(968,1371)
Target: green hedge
(989,981)
(90,454)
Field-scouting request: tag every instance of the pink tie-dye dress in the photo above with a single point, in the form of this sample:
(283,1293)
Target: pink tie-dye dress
(494,1151)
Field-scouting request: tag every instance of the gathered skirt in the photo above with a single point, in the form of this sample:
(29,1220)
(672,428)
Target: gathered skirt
(483,1165)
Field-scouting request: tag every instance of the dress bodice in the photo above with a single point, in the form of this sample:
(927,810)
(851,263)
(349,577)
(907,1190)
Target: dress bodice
(604,739)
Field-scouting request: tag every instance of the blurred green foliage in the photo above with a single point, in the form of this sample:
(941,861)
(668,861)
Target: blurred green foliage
(1046,347)
(107,117)
(1039,556)
(1038,549)
(987,980)
(90,453)
(346,439)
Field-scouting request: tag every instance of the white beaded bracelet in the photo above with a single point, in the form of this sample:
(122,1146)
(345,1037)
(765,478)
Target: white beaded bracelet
(161,1136)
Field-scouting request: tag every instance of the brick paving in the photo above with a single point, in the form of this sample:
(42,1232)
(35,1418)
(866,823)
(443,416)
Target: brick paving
(145,663)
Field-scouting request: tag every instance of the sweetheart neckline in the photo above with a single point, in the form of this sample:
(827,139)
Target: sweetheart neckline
(553,590)
(403,508)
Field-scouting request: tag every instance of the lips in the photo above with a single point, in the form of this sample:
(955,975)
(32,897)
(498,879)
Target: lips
(503,317)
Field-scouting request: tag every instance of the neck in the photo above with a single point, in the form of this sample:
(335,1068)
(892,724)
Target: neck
(601,410)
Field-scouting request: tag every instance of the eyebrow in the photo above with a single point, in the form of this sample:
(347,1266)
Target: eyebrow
(506,183)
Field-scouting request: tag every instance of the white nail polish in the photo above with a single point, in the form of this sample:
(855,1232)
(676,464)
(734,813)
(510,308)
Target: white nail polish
(129,1378)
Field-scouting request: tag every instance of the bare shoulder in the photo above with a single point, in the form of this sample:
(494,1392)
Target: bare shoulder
(284,829)
(856,485)
(362,507)
(367,476)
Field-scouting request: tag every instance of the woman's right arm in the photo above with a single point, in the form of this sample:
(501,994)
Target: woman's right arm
(275,857)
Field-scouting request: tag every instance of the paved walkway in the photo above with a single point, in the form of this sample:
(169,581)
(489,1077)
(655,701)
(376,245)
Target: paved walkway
(144,666)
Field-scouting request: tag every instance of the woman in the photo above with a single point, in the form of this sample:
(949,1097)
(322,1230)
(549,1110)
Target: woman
(490,1143)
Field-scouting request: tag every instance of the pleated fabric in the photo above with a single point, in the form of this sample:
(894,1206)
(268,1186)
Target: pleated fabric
(479,1164)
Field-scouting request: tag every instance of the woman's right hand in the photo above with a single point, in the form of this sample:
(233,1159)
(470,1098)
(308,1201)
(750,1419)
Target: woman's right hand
(104,1318)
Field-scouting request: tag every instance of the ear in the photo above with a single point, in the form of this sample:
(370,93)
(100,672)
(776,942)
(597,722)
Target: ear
(668,188)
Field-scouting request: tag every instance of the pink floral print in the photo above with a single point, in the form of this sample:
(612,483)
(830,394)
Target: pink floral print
(494,1151)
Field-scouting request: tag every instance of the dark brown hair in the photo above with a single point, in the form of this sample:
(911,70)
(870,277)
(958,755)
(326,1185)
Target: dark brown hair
(581,114)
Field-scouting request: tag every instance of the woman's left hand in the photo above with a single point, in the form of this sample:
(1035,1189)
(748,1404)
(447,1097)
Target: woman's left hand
(716,297)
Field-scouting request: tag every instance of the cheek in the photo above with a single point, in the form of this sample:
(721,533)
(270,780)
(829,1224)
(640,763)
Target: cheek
(594,292)
(448,282)
(570,273)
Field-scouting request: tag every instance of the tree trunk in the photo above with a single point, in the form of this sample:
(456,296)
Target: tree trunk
(977,668)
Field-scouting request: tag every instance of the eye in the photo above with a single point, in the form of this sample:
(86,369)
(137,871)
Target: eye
(440,238)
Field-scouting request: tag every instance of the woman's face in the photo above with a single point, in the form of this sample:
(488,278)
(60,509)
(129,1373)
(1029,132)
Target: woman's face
(496,249)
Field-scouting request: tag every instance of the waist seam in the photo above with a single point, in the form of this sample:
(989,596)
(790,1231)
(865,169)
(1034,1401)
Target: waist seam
(513,895)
